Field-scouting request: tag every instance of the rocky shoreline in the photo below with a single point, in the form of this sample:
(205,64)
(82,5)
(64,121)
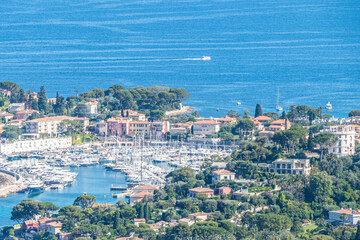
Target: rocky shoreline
(8,185)
(183,110)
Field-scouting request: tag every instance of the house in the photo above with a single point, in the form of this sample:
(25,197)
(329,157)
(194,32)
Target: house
(280,125)
(83,121)
(30,225)
(239,193)
(200,190)
(25,113)
(348,216)
(226,120)
(43,222)
(222,174)
(261,119)
(204,127)
(291,166)
(159,128)
(181,128)
(140,128)
(199,216)
(345,146)
(187,221)
(5,92)
(148,188)
(258,125)
(160,225)
(16,107)
(223,190)
(54,227)
(137,221)
(134,115)
(6,116)
(118,126)
(92,107)
(48,125)
(100,127)
(139,196)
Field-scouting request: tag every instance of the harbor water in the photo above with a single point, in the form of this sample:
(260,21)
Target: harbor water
(94,180)
(308,49)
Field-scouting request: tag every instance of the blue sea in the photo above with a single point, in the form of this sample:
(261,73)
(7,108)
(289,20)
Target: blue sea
(308,49)
(94,180)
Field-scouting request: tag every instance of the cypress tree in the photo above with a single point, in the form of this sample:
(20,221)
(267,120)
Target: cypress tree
(42,102)
(258,110)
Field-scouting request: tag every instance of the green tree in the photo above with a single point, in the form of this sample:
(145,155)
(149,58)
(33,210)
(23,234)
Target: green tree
(354,113)
(11,86)
(42,101)
(81,110)
(183,174)
(84,201)
(258,110)
(320,187)
(156,115)
(245,125)
(25,210)
(59,106)
(325,141)
(11,132)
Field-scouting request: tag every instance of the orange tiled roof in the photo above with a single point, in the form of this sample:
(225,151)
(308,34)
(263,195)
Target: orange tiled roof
(48,119)
(262,118)
(139,220)
(199,214)
(347,211)
(223,171)
(141,194)
(226,119)
(146,187)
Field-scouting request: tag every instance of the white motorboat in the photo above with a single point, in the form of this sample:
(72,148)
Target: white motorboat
(328,106)
(206,58)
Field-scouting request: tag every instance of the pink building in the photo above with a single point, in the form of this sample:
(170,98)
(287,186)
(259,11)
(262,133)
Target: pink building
(25,114)
(118,126)
(223,190)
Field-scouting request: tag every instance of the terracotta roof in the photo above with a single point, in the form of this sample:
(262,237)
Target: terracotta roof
(199,214)
(223,171)
(347,211)
(279,122)
(138,200)
(48,119)
(6,115)
(262,118)
(226,119)
(81,119)
(139,220)
(45,220)
(31,221)
(208,122)
(224,188)
(201,190)
(91,103)
(94,205)
(141,194)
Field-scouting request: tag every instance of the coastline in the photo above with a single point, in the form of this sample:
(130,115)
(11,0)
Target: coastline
(8,185)
(183,110)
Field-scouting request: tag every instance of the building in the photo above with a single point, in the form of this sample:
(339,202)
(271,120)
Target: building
(43,222)
(180,128)
(226,120)
(83,121)
(92,107)
(48,125)
(206,127)
(352,216)
(280,125)
(22,146)
(139,196)
(199,216)
(54,227)
(137,221)
(200,190)
(101,127)
(262,119)
(6,116)
(134,115)
(223,190)
(16,107)
(159,128)
(222,174)
(345,146)
(291,166)
(30,225)
(148,188)
(140,128)
(25,113)
(118,126)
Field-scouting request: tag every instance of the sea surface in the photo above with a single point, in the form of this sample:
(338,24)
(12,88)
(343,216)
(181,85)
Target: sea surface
(94,180)
(309,49)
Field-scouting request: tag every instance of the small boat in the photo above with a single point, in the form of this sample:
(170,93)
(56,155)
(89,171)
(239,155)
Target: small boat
(328,106)
(35,188)
(217,109)
(278,107)
(239,103)
(206,58)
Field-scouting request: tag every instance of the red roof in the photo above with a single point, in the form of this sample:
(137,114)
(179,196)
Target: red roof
(347,211)
(201,190)
(262,118)
(141,194)
(223,171)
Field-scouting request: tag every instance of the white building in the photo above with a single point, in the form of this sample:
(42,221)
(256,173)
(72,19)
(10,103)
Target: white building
(49,125)
(35,145)
(92,107)
(206,127)
(351,216)
(291,166)
(345,145)
(222,174)
(16,107)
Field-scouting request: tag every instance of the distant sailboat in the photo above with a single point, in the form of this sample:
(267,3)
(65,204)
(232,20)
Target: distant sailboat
(328,106)
(278,107)
(206,58)
(239,103)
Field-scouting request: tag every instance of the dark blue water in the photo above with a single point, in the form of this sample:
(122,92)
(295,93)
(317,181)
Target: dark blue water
(94,180)
(309,49)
